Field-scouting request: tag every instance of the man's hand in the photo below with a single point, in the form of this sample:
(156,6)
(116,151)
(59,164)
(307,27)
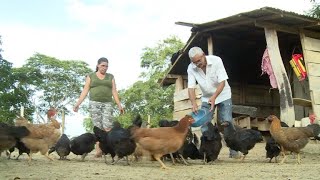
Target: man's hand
(212,101)
(195,108)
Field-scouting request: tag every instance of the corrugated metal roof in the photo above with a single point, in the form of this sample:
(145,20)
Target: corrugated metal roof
(247,25)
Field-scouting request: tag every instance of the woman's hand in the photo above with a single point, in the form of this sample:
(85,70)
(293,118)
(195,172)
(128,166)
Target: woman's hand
(76,108)
(121,109)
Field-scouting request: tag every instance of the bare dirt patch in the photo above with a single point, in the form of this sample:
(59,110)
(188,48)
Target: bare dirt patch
(255,166)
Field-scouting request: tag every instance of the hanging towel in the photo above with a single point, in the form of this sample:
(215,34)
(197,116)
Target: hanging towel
(267,69)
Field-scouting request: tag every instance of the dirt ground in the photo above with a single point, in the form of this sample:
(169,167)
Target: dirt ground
(255,166)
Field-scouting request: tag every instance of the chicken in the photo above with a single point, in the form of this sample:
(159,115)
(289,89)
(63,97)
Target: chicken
(41,137)
(176,155)
(62,147)
(210,143)
(292,138)
(104,143)
(167,123)
(164,140)
(9,135)
(83,144)
(117,141)
(190,149)
(21,147)
(273,149)
(137,123)
(316,130)
(240,139)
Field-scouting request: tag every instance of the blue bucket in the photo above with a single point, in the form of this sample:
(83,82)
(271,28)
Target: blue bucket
(201,117)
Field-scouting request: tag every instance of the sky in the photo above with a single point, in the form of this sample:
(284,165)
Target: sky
(117,29)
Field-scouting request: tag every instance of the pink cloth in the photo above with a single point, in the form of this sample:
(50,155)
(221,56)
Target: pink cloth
(267,68)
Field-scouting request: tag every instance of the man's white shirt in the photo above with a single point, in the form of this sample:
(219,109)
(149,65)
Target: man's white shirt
(215,73)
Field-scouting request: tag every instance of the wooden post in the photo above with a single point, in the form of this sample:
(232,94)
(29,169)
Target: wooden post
(149,121)
(210,45)
(22,111)
(63,122)
(286,102)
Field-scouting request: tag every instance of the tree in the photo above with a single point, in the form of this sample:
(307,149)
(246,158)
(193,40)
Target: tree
(315,11)
(58,84)
(12,95)
(146,97)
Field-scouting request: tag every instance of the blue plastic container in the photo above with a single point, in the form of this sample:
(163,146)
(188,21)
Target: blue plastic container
(200,118)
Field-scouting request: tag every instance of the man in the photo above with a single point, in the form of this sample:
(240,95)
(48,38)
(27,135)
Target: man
(212,77)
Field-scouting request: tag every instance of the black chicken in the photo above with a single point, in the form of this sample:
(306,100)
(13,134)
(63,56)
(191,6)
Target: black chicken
(117,141)
(83,144)
(190,149)
(241,140)
(62,147)
(9,135)
(273,149)
(210,144)
(104,143)
(21,147)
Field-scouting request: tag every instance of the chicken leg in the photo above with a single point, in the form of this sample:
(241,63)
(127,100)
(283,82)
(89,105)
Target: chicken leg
(163,166)
(47,155)
(299,158)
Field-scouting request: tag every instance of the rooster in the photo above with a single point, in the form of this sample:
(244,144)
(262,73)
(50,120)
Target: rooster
(292,138)
(164,140)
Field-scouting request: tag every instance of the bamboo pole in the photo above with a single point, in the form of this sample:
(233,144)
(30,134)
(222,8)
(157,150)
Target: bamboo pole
(149,120)
(22,111)
(63,122)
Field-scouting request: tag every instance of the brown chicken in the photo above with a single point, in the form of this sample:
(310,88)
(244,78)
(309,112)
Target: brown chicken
(164,140)
(291,138)
(41,137)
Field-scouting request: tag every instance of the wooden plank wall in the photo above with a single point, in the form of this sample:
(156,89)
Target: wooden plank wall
(182,104)
(311,52)
(259,96)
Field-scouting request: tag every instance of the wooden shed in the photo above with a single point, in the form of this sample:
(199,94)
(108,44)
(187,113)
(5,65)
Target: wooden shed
(240,41)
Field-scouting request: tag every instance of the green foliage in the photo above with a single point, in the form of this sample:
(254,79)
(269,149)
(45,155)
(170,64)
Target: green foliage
(58,83)
(0,48)
(147,97)
(12,94)
(315,11)
(87,124)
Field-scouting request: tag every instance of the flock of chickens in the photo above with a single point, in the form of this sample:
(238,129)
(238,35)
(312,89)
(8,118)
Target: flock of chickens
(173,140)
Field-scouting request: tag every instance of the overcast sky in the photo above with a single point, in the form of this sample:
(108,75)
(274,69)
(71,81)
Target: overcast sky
(117,29)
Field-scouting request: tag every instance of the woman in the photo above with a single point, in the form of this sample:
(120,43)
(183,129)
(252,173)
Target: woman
(102,88)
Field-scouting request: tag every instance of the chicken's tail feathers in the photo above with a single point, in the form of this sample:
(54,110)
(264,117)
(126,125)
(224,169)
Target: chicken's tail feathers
(19,131)
(137,121)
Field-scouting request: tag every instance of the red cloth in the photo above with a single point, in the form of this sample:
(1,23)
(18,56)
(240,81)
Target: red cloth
(267,68)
